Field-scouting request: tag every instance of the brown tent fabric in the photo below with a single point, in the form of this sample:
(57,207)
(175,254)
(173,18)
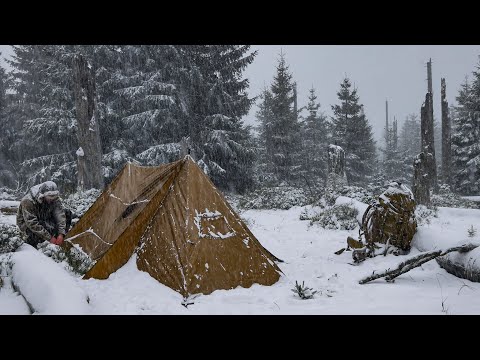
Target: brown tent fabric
(179,225)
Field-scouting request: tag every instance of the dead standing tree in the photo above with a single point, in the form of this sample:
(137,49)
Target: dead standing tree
(421,192)
(89,154)
(446,138)
(425,166)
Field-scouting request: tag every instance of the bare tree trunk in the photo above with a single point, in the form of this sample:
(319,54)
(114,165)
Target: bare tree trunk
(295,106)
(89,154)
(421,188)
(395,135)
(386,125)
(428,147)
(446,139)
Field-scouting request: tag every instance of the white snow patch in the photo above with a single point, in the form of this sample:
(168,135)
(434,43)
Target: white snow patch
(201,222)
(472,198)
(46,286)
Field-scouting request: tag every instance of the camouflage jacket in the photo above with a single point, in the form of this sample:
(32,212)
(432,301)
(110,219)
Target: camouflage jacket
(32,213)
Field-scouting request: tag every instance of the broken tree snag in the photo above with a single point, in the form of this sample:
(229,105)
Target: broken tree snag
(416,261)
(421,188)
(428,144)
(336,166)
(89,153)
(446,139)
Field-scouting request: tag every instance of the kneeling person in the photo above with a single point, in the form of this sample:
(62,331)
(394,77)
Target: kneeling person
(41,215)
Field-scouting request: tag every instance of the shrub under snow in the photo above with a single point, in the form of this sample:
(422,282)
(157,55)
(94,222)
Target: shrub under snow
(280,197)
(74,260)
(366,195)
(336,217)
(10,238)
(79,202)
(446,198)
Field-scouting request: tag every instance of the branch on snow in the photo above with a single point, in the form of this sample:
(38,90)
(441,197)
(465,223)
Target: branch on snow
(416,261)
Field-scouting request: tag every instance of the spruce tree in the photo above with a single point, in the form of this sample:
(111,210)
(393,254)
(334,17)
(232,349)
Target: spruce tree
(148,99)
(314,144)
(281,133)
(146,96)
(109,62)
(466,138)
(43,104)
(216,99)
(3,89)
(265,158)
(7,176)
(352,131)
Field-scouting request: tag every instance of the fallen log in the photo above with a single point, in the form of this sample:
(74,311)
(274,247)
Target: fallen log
(9,207)
(416,261)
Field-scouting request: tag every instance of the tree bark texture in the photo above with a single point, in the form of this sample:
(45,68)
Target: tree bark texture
(89,163)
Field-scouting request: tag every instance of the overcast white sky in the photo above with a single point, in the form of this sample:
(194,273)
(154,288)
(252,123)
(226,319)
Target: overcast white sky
(394,72)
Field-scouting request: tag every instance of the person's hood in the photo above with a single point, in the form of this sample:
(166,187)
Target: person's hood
(43,189)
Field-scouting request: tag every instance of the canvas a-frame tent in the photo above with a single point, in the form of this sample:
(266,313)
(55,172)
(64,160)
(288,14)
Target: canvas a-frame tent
(179,225)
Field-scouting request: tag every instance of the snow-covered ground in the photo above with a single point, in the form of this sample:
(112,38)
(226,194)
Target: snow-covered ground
(308,252)
(472,198)
(5,219)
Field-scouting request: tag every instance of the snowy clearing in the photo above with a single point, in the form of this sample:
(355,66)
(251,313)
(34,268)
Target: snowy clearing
(308,252)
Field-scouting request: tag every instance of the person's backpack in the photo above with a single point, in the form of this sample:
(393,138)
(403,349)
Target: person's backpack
(391,220)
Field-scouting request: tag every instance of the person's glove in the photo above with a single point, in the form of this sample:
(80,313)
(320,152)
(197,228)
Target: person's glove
(53,240)
(59,239)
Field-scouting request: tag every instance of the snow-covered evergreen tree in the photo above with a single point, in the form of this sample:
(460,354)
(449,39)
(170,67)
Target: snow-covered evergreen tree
(3,89)
(281,128)
(466,138)
(314,143)
(264,116)
(7,176)
(147,99)
(216,99)
(44,107)
(352,131)
(109,64)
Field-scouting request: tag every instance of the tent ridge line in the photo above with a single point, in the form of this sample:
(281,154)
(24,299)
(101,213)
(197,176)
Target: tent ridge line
(123,232)
(160,205)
